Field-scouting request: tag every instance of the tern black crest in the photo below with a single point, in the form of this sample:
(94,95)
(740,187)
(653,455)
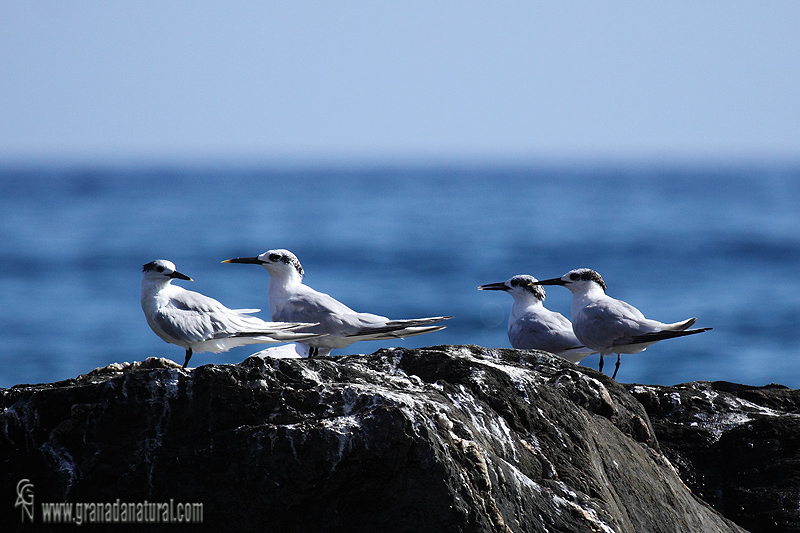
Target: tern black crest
(155,266)
(587,274)
(525,282)
(287,257)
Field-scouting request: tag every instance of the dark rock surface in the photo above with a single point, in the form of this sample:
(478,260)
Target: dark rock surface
(450,438)
(737,447)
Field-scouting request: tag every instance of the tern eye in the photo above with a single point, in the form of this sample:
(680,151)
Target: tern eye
(514,282)
(159,269)
(274,257)
(575,276)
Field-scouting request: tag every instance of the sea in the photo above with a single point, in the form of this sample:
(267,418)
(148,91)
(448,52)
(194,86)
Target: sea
(716,241)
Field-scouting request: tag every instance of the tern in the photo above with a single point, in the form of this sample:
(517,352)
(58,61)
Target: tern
(291,300)
(531,326)
(611,326)
(199,323)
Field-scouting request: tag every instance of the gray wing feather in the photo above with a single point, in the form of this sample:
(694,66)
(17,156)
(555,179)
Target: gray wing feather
(545,330)
(339,321)
(196,317)
(600,325)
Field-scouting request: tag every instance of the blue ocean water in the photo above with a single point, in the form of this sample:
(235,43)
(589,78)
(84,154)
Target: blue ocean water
(721,243)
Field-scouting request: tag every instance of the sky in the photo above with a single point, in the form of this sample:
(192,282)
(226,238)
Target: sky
(374,80)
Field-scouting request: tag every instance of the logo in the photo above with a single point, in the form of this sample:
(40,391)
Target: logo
(25,499)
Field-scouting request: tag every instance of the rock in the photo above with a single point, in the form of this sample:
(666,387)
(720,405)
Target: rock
(737,447)
(449,438)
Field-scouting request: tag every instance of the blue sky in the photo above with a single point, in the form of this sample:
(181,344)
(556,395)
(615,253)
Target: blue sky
(302,81)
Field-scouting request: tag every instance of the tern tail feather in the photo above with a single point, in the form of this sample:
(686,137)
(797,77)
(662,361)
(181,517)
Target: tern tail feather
(680,326)
(655,336)
(395,333)
(399,325)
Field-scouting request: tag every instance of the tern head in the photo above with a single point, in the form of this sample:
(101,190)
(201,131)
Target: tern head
(578,280)
(277,262)
(162,270)
(519,286)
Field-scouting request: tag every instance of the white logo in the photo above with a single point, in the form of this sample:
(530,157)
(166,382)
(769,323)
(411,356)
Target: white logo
(25,498)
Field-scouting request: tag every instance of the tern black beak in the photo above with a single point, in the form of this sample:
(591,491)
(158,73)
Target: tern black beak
(178,275)
(554,281)
(493,287)
(246,260)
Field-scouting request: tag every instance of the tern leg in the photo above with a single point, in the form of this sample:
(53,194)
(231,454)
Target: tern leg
(616,367)
(313,351)
(600,368)
(188,356)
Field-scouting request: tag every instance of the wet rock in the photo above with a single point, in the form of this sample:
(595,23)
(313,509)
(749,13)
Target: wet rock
(449,438)
(737,447)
